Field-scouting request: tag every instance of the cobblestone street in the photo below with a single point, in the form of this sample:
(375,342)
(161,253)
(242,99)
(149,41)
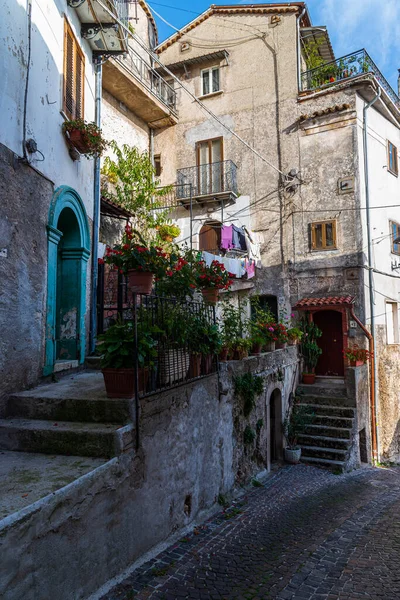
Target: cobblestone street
(306,535)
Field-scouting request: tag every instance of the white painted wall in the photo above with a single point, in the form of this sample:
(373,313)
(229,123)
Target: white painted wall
(44,119)
(384,191)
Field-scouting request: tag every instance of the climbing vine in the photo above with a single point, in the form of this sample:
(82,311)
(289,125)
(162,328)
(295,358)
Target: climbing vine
(248,387)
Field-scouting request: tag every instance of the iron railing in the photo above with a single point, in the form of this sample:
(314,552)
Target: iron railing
(207,180)
(141,70)
(167,353)
(344,68)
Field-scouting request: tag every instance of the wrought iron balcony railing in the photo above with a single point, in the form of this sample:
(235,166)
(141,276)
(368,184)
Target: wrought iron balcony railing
(141,70)
(344,68)
(207,180)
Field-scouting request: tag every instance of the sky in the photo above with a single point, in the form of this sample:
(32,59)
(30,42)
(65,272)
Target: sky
(352,25)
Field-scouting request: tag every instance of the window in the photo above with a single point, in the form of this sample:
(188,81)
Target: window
(395,235)
(267,303)
(393,164)
(392,323)
(157,164)
(210,166)
(210,81)
(323,235)
(74,75)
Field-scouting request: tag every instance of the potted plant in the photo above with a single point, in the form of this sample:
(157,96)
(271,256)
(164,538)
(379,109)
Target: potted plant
(294,335)
(257,341)
(168,232)
(240,347)
(269,335)
(140,262)
(211,279)
(294,425)
(357,356)
(309,349)
(281,334)
(117,346)
(85,137)
(174,351)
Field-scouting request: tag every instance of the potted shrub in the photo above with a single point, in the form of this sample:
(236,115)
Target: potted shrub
(309,349)
(168,232)
(357,356)
(138,261)
(257,342)
(240,347)
(294,335)
(211,279)
(281,334)
(294,425)
(85,137)
(270,337)
(117,347)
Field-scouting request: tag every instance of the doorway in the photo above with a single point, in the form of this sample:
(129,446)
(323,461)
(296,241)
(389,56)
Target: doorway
(275,429)
(209,164)
(331,362)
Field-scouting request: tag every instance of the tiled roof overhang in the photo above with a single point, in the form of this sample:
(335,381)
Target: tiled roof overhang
(310,303)
(196,60)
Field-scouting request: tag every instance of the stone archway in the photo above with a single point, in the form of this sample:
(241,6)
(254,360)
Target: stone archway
(68,253)
(275,426)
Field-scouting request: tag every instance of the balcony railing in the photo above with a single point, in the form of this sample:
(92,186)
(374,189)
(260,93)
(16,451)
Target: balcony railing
(344,68)
(210,179)
(141,70)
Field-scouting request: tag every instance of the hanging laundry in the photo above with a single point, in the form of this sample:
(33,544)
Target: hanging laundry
(250,268)
(232,265)
(226,237)
(239,240)
(253,246)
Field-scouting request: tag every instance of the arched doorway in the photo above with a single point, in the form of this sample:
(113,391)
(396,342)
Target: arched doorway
(331,362)
(68,253)
(210,237)
(275,429)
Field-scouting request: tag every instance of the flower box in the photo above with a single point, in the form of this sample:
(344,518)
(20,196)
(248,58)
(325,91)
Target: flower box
(140,282)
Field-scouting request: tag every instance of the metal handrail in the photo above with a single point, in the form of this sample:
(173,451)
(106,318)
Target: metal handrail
(141,69)
(207,179)
(344,68)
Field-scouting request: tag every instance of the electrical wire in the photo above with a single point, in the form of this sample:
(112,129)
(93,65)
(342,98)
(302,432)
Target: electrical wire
(25,153)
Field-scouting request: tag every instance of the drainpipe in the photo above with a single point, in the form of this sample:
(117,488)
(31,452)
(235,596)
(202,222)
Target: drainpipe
(301,15)
(96,210)
(374,366)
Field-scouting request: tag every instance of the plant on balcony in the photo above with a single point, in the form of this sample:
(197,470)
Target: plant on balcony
(281,334)
(168,232)
(204,342)
(139,261)
(309,349)
(211,279)
(240,347)
(117,347)
(179,280)
(85,137)
(233,326)
(174,355)
(357,356)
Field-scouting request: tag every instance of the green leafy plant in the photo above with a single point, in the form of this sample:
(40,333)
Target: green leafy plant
(308,347)
(248,387)
(203,336)
(296,422)
(233,323)
(92,137)
(294,333)
(117,346)
(179,280)
(355,353)
(259,425)
(168,231)
(249,435)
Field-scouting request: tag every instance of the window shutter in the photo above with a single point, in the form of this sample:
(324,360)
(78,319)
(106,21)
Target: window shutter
(68,72)
(79,85)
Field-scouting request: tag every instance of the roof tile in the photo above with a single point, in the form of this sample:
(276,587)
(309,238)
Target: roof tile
(325,301)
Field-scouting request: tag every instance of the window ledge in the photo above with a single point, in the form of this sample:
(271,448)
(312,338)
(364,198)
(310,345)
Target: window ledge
(314,250)
(392,172)
(210,95)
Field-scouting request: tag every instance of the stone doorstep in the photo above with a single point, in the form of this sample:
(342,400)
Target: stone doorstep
(340,465)
(329,431)
(326,442)
(65,365)
(65,438)
(328,410)
(322,452)
(318,389)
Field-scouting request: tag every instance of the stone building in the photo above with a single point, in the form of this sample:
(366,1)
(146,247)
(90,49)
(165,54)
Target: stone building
(312,186)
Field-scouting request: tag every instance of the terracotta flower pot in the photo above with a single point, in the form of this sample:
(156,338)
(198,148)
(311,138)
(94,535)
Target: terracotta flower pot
(308,378)
(78,140)
(280,345)
(356,363)
(195,366)
(210,295)
(206,363)
(292,342)
(120,383)
(167,238)
(256,349)
(269,347)
(140,282)
(240,354)
(223,355)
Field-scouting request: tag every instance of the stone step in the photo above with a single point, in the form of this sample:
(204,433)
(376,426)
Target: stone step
(333,421)
(45,406)
(338,390)
(329,431)
(326,400)
(323,441)
(79,439)
(333,465)
(321,452)
(330,410)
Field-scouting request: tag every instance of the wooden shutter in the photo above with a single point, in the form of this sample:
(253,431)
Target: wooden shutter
(210,238)
(74,76)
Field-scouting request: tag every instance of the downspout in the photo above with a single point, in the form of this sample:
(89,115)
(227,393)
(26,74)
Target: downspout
(374,366)
(301,15)
(96,210)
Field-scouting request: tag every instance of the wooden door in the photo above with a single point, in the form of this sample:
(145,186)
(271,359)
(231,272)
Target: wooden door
(209,165)
(330,362)
(210,238)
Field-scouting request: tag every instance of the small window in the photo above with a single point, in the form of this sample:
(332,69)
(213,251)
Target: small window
(392,323)
(395,235)
(323,235)
(210,81)
(157,164)
(74,75)
(393,164)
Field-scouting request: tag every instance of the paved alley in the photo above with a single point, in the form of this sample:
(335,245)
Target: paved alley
(306,535)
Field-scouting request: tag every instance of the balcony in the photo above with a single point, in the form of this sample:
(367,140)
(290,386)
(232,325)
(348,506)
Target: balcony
(101,24)
(133,81)
(344,69)
(209,183)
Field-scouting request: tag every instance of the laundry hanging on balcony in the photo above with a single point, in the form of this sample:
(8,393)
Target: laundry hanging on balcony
(253,246)
(239,267)
(226,237)
(239,239)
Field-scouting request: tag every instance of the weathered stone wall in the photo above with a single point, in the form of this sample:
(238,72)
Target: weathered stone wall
(191,452)
(25,197)
(358,389)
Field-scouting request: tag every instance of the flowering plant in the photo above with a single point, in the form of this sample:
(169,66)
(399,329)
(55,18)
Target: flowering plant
(294,333)
(179,279)
(92,142)
(281,333)
(356,353)
(137,256)
(214,276)
(269,331)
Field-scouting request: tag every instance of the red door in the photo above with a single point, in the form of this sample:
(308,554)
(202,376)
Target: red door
(331,343)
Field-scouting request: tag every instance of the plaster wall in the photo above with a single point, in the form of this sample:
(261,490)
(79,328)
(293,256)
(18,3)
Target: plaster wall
(44,103)
(192,450)
(122,125)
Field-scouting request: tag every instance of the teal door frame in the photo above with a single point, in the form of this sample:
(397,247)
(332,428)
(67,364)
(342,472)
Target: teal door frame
(65,197)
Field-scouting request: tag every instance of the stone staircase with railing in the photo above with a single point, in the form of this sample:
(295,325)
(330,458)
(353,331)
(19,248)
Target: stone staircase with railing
(329,440)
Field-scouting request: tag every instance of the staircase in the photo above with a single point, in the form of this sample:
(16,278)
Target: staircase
(71,417)
(328,441)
